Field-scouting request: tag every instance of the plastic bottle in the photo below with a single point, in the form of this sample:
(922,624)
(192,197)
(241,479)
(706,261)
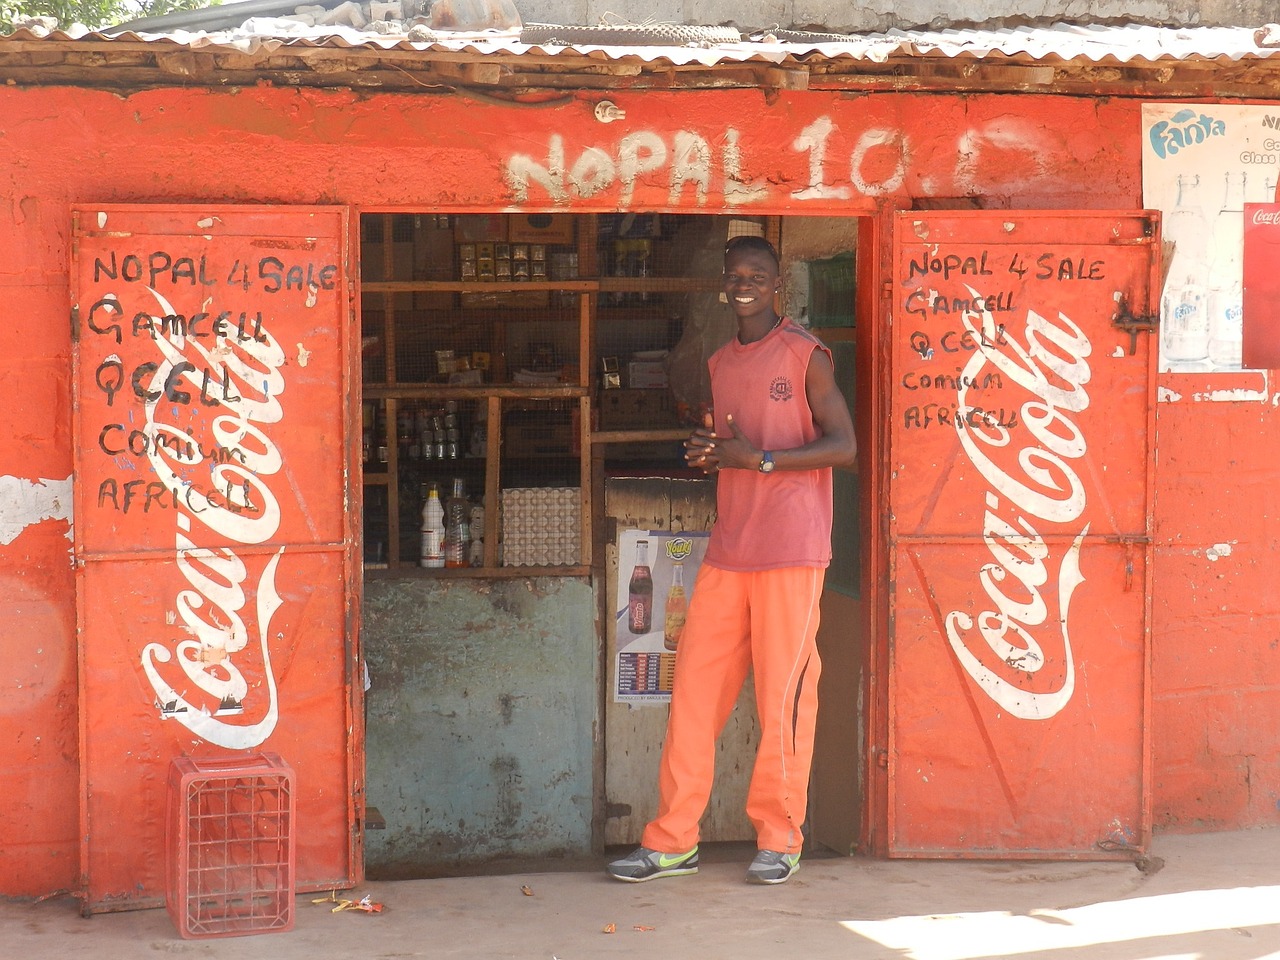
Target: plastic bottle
(677,607)
(640,592)
(433,529)
(457,537)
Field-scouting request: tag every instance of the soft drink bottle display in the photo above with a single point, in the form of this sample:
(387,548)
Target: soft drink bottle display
(433,530)
(640,594)
(677,606)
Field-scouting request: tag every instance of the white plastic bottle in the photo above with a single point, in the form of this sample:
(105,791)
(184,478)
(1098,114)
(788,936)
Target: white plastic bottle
(433,529)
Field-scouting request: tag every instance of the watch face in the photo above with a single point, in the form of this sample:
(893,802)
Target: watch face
(766,464)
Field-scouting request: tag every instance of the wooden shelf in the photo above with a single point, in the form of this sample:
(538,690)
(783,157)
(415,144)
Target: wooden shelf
(413,572)
(636,436)
(445,391)
(477,286)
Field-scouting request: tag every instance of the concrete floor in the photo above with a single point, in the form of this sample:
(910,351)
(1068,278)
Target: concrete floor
(1201,897)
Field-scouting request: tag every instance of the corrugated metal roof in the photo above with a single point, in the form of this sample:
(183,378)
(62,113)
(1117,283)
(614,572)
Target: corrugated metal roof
(1056,42)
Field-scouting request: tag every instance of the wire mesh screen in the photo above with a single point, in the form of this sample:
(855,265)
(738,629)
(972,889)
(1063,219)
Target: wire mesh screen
(461,313)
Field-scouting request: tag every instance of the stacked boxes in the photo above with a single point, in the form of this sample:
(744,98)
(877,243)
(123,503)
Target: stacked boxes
(541,526)
(230,846)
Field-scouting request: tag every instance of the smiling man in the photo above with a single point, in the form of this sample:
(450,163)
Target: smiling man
(780,426)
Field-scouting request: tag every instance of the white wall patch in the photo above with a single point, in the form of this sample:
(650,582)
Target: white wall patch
(24,503)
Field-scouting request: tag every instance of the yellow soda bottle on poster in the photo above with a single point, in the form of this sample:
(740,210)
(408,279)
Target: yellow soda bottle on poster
(677,606)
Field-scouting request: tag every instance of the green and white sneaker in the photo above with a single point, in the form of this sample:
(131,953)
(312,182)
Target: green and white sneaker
(769,866)
(644,864)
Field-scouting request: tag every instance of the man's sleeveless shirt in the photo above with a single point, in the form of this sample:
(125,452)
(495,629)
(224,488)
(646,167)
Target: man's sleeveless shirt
(783,518)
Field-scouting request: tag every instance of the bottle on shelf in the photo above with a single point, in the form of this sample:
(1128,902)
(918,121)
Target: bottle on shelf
(640,592)
(457,537)
(380,434)
(367,415)
(677,608)
(477,534)
(433,529)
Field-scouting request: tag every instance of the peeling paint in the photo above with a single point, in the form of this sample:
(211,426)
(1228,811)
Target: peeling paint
(1218,550)
(1206,389)
(1231,396)
(304,356)
(24,503)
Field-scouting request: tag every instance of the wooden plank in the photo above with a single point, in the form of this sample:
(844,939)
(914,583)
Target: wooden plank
(635,436)
(492,475)
(440,391)
(634,733)
(586,482)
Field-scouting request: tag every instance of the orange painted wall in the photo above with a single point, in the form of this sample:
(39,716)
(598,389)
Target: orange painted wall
(1215,624)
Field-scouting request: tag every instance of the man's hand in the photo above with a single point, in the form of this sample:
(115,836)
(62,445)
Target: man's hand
(711,451)
(700,448)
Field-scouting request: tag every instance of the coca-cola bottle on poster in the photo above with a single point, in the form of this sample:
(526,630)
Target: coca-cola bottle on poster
(640,592)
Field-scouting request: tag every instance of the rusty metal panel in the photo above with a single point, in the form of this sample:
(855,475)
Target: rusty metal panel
(1021,444)
(213,547)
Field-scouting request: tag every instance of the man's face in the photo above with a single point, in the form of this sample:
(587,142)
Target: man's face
(750,282)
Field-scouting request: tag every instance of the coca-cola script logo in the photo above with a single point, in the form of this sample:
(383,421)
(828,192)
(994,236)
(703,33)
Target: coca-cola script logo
(1029,488)
(1264,217)
(230,500)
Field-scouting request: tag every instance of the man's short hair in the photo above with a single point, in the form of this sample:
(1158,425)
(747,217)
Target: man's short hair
(749,242)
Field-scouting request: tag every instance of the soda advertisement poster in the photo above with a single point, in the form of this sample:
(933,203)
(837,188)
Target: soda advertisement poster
(1201,163)
(1261,343)
(656,573)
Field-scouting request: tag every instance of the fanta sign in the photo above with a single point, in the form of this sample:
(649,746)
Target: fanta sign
(1184,129)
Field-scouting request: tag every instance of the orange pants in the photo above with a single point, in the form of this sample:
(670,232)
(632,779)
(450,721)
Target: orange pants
(765,621)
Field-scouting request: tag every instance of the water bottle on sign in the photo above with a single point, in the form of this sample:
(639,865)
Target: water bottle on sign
(1226,327)
(432,530)
(1184,333)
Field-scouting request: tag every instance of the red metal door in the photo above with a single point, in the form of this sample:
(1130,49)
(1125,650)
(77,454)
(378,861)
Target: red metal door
(213,541)
(1021,458)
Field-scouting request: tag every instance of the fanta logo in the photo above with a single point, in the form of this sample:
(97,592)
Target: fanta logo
(781,389)
(679,548)
(1184,129)
(1184,310)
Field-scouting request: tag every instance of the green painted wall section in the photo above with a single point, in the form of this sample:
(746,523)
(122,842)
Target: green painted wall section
(479,719)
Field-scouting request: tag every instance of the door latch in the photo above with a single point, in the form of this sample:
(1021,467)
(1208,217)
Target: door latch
(1134,325)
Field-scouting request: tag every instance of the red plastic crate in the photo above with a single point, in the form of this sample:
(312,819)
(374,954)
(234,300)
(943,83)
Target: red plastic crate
(230,846)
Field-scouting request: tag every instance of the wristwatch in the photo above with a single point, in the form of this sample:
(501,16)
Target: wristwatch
(766,462)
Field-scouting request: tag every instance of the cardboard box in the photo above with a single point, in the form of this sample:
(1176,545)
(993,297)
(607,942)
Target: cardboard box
(537,440)
(647,375)
(544,228)
(635,409)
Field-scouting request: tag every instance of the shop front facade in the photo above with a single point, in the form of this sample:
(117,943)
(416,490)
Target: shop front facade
(298,303)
